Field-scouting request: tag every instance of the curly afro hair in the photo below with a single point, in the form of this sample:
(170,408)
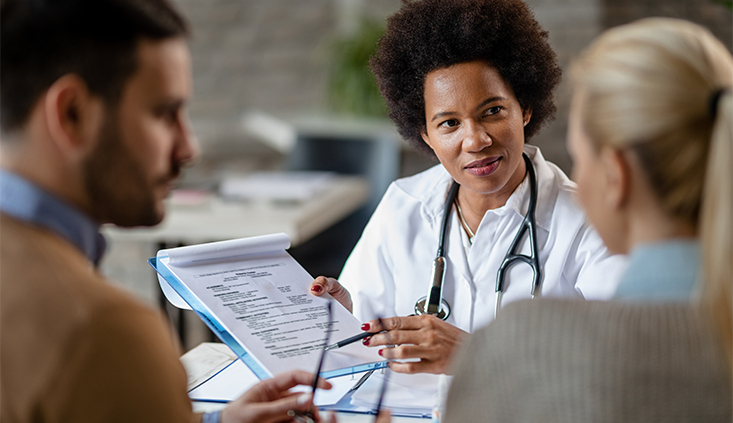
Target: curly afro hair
(432,34)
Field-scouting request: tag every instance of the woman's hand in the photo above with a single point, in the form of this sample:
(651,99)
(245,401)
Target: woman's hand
(426,337)
(270,400)
(323,284)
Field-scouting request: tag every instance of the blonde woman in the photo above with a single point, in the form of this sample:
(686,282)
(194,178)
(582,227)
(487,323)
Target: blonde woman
(652,140)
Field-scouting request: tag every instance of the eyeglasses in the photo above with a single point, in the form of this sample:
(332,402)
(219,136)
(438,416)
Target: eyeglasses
(309,416)
(384,383)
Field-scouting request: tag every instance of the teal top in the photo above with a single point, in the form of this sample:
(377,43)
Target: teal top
(661,272)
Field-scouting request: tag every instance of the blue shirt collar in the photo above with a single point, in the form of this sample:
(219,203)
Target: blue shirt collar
(661,272)
(25,201)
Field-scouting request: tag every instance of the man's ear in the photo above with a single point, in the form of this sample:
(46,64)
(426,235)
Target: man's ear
(617,177)
(73,115)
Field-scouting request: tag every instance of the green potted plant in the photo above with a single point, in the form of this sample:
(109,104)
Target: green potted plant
(352,89)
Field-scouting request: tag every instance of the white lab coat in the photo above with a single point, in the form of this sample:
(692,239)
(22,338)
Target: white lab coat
(390,267)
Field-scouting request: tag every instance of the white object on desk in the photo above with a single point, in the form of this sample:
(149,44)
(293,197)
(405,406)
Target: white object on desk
(206,360)
(227,385)
(219,220)
(282,186)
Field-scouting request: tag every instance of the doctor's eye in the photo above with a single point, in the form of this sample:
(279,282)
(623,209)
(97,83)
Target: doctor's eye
(493,110)
(450,123)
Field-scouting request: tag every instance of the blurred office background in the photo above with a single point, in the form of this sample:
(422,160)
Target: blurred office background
(287,60)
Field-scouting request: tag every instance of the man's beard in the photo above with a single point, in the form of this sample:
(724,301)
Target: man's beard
(116,184)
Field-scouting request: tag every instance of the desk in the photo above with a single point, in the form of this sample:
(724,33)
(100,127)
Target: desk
(207,359)
(218,220)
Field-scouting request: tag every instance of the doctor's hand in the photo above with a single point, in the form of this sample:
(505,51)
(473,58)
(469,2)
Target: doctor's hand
(323,284)
(426,337)
(271,400)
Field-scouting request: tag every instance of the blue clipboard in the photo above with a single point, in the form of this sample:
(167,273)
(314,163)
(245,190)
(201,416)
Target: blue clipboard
(212,322)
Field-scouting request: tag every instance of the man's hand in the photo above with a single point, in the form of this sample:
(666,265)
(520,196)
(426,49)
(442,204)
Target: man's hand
(426,337)
(383,417)
(323,284)
(270,400)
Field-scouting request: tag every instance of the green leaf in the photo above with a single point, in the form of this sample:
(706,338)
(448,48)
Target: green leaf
(352,88)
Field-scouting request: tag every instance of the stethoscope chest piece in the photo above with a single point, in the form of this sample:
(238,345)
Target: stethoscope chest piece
(443,314)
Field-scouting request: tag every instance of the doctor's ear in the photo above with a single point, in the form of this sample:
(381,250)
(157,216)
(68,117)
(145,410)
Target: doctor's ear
(426,138)
(526,115)
(73,115)
(617,174)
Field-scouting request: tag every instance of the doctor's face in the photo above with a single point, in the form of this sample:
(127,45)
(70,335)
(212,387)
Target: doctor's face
(475,126)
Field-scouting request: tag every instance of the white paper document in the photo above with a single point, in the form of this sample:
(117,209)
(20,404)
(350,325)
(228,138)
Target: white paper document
(226,385)
(217,375)
(406,395)
(206,360)
(255,297)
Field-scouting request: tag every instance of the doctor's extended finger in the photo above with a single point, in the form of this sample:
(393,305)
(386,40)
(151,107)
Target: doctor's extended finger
(402,322)
(322,285)
(424,366)
(396,337)
(404,352)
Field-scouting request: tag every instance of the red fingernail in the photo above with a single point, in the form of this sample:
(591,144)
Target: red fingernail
(365,341)
(316,288)
(380,352)
(365,326)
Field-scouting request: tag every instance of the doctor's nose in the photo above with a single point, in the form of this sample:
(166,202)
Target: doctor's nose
(475,137)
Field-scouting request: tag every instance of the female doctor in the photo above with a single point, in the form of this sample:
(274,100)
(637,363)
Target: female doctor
(468,82)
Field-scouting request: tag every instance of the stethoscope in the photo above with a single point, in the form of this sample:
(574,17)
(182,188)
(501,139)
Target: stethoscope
(434,304)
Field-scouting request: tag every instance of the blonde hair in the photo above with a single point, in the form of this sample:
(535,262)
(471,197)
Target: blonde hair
(654,87)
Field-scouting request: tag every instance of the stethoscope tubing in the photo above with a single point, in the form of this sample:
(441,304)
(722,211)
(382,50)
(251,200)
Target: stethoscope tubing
(528,226)
(434,303)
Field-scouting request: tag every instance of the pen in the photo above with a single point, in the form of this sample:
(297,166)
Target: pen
(351,340)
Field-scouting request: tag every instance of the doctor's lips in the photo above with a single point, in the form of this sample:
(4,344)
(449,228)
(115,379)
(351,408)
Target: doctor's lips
(483,167)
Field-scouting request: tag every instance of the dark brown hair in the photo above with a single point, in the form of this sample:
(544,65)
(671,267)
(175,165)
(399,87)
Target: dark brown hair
(432,34)
(42,40)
